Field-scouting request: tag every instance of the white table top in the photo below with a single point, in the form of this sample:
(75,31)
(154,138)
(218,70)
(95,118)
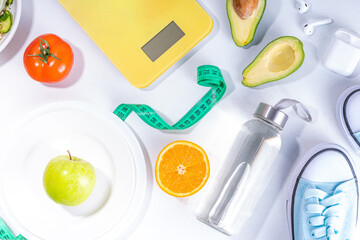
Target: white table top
(94,79)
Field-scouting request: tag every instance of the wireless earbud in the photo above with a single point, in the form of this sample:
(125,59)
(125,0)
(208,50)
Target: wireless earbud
(302,6)
(310,27)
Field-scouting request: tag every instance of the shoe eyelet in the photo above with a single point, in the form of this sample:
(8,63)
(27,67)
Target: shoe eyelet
(309,221)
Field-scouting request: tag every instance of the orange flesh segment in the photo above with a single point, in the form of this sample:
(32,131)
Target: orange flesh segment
(182,169)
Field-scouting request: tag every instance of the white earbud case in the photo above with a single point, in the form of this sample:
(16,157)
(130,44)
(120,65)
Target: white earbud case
(343,53)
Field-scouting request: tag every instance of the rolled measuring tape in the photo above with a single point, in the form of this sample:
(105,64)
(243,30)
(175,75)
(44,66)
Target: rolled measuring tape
(207,76)
(5,232)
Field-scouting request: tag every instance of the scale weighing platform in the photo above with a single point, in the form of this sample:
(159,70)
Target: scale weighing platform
(143,38)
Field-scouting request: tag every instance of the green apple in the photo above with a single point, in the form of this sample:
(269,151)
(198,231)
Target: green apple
(69,180)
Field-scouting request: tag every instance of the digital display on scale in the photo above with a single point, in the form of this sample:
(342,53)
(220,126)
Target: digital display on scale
(164,40)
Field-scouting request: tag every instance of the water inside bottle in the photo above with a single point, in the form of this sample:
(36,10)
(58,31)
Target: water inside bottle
(242,177)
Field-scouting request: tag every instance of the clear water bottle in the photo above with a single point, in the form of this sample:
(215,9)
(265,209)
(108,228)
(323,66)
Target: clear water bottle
(244,175)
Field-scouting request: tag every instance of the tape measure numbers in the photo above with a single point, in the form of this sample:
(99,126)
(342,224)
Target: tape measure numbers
(5,232)
(207,76)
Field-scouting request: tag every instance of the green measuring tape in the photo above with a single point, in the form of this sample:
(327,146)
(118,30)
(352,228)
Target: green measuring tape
(5,232)
(207,76)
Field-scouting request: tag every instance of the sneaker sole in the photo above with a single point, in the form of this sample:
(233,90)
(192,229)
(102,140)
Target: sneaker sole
(342,120)
(297,172)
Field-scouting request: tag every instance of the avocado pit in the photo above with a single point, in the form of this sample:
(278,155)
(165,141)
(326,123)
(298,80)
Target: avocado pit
(245,8)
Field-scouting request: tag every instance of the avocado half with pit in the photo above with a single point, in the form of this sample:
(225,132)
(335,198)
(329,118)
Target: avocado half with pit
(244,17)
(277,60)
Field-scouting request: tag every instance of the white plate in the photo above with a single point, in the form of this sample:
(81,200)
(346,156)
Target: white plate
(15,9)
(90,133)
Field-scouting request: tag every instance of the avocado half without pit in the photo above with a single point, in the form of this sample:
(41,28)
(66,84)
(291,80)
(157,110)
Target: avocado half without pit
(277,60)
(244,17)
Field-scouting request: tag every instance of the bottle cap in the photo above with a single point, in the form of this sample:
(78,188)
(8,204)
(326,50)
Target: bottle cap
(272,115)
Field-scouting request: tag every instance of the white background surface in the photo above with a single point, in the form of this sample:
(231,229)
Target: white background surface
(94,79)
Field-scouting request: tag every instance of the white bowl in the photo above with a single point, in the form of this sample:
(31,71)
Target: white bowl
(15,9)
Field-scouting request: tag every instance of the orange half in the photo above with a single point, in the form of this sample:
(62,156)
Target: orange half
(182,168)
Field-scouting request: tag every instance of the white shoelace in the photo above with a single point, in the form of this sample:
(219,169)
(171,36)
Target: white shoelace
(329,213)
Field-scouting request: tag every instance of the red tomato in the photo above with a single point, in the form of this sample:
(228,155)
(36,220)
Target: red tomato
(48,59)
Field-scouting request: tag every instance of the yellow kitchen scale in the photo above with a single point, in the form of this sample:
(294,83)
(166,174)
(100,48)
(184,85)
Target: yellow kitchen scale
(143,38)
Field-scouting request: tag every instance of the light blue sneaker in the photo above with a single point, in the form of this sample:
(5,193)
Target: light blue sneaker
(323,203)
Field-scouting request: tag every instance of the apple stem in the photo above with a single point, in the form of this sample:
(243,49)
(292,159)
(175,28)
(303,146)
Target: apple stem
(69,154)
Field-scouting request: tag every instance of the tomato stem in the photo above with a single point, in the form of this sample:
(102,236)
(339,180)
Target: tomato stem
(44,52)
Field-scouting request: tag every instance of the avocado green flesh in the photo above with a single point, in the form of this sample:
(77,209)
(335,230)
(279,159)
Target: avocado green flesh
(277,60)
(243,30)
